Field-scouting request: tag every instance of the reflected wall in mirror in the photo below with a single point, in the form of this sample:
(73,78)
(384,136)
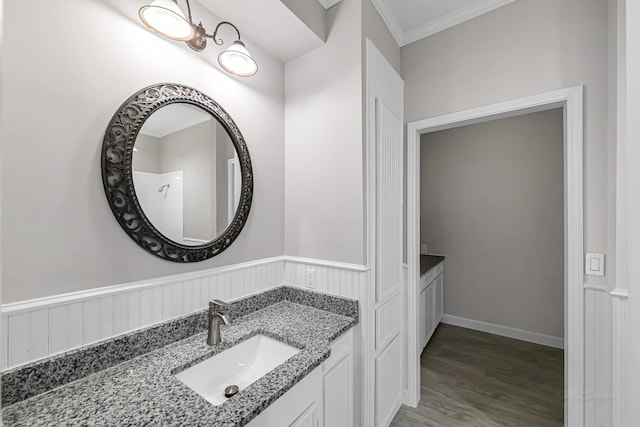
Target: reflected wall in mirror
(185,174)
(177,173)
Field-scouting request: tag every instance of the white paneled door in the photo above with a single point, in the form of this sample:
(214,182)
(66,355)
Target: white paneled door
(384,181)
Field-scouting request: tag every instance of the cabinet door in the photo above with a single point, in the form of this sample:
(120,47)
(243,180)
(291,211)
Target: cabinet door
(338,394)
(309,418)
(429,311)
(439,300)
(422,330)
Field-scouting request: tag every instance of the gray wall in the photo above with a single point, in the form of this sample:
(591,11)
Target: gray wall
(374,28)
(147,156)
(59,234)
(525,48)
(324,128)
(225,151)
(492,203)
(193,150)
(324,213)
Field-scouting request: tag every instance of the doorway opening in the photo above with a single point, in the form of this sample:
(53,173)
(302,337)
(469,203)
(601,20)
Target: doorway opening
(570,101)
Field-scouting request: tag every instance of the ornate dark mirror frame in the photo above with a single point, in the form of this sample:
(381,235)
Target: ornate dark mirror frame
(117,175)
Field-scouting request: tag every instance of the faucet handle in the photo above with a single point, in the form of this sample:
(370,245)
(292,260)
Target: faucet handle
(216,304)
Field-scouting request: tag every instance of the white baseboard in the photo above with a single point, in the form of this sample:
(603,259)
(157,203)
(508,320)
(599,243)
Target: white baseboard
(504,331)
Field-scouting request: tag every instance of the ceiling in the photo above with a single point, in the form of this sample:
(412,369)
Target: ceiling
(288,38)
(300,24)
(172,118)
(412,20)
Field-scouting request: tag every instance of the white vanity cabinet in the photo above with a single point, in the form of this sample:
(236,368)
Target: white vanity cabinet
(337,383)
(323,398)
(301,406)
(431,303)
(309,418)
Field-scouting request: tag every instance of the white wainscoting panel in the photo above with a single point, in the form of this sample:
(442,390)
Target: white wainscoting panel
(388,383)
(344,280)
(405,332)
(386,321)
(40,328)
(598,357)
(620,337)
(350,281)
(389,158)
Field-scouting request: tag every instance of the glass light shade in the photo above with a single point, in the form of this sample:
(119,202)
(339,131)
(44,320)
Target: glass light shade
(237,60)
(165,18)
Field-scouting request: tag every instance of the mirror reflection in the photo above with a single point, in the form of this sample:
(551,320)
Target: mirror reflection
(186,174)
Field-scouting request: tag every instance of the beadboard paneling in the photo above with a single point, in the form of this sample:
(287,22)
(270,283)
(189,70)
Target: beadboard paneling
(389,158)
(386,321)
(40,328)
(598,357)
(345,280)
(388,384)
(620,337)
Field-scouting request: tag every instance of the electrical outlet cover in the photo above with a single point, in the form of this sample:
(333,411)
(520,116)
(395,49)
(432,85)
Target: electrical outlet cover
(594,264)
(310,279)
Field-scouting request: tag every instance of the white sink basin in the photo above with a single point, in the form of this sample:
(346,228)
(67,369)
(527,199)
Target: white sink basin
(241,365)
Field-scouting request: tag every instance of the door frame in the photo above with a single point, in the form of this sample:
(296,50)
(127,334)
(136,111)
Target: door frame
(571,101)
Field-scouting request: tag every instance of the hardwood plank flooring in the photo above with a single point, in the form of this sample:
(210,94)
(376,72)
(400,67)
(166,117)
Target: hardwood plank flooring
(471,378)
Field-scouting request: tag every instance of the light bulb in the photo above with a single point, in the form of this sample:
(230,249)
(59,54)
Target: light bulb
(165,18)
(237,60)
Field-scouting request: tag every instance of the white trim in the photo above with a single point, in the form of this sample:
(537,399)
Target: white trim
(390,19)
(504,331)
(600,287)
(325,263)
(451,19)
(413,262)
(619,293)
(571,99)
(328,3)
(618,336)
(195,240)
(502,110)
(403,38)
(382,83)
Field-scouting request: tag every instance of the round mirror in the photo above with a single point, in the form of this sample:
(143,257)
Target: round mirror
(177,173)
(185,174)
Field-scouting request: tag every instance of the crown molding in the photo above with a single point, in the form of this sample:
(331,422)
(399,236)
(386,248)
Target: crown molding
(390,19)
(456,17)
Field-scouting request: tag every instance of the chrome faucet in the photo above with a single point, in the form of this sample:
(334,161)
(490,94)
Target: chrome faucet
(216,316)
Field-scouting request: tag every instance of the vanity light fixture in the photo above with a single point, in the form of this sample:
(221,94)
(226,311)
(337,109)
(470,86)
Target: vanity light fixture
(167,19)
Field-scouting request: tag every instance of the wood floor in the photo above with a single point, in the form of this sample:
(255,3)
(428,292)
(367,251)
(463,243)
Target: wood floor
(471,378)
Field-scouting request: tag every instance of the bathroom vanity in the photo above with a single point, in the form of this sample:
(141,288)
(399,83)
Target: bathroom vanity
(430,296)
(132,379)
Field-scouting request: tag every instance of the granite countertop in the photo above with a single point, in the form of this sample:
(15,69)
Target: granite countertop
(427,262)
(144,390)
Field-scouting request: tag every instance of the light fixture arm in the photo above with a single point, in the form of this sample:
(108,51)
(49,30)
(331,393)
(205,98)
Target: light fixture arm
(217,41)
(167,19)
(213,36)
(189,12)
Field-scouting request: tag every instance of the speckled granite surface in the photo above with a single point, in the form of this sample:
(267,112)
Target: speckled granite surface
(427,262)
(143,390)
